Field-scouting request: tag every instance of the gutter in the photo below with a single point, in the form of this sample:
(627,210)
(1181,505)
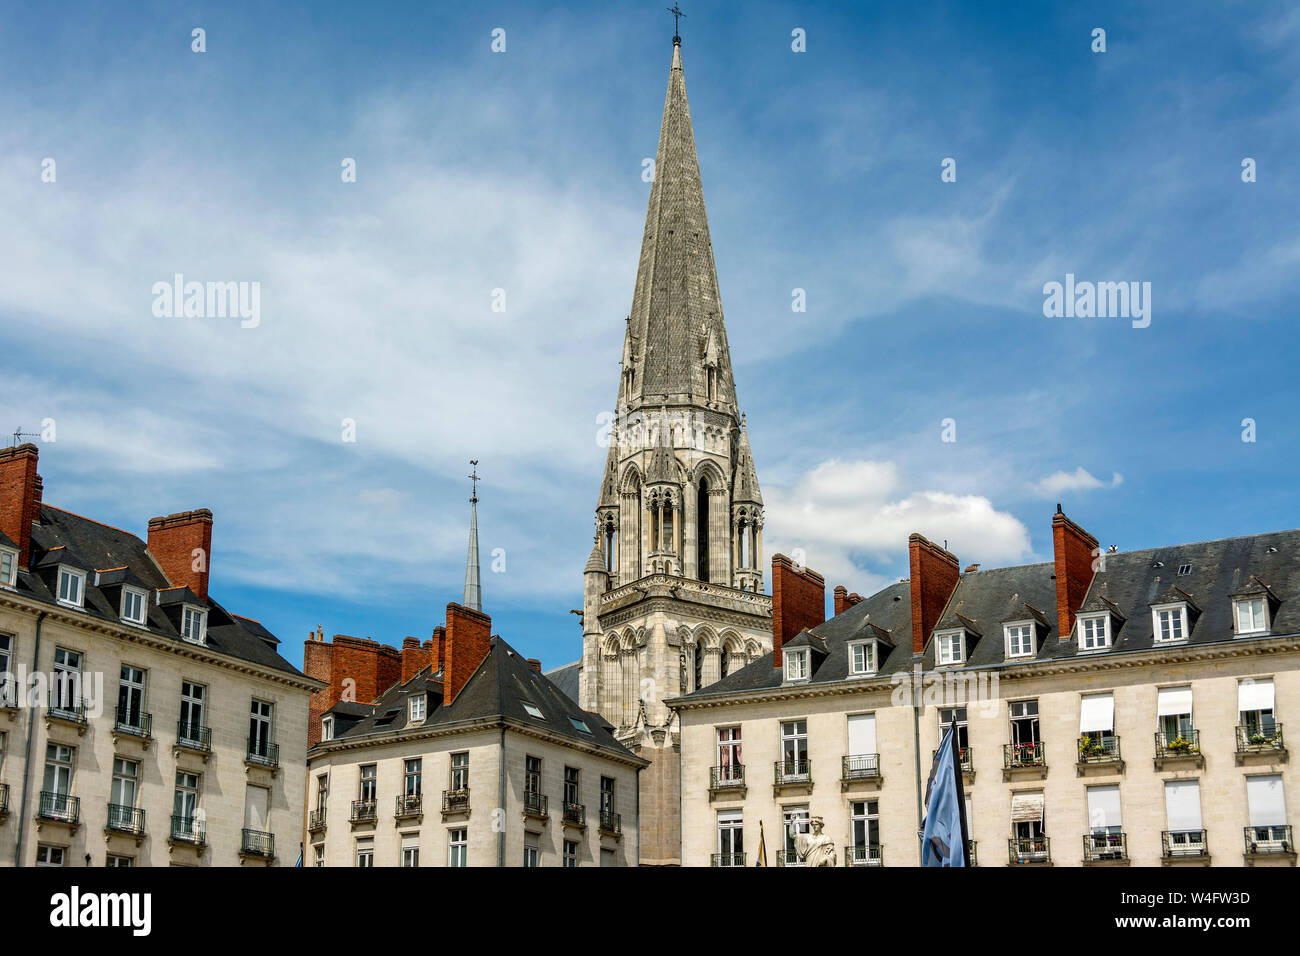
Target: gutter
(501,801)
(27,752)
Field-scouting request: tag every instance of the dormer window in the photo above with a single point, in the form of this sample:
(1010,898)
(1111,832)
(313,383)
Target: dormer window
(1251,615)
(1170,623)
(194,624)
(1020,639)
(8,567)
(72,587)
(951,647)
(417,705)
(796,664)
(863,658)
(1094,632)
(327,727)
(133,604)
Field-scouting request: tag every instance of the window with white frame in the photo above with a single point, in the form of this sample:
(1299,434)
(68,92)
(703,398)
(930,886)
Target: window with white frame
(457,846)
(47,855)
(115,861)
(8,686)
(531,854)
(1020,639)
(327,727)
(8,567)
(366,852)
(67,679)
(133,605)
(460,770)
(1251,615)
(570,853)
(729,763)
(369,781)
(955,717)
(1097,722)
(194,624)
(1255,703)
(950,645)
(411,849)
(794,749)
(260,713)
(1174,711)
(864,825)
(796,664)
(1094,632)
(72,586)
(318,851)
(417,707)
(532,710)
(862,658)
(731,838)
(795,821)
(1170,623)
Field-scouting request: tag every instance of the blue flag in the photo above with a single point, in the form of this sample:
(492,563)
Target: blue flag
(943,841)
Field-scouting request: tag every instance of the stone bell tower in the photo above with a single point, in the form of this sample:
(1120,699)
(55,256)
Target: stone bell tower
(673,594)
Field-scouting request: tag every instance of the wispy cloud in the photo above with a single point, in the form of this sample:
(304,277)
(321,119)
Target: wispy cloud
(1065,482)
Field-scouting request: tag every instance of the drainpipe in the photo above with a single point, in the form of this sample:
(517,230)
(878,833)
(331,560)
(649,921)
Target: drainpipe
(916,734)
(501,800)
(27,753)
(637,804)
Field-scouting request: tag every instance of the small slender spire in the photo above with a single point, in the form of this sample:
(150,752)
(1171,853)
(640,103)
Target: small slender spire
(473,590)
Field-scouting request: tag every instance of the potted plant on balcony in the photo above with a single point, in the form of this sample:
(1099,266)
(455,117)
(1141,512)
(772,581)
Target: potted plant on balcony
(1179,745)
(1088,747)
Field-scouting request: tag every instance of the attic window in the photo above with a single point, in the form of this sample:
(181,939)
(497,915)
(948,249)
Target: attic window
(8,567)
(416,705)
(133,605)
(194,624)
(862,658)
(1184,569)
(1251,614)
(796,664)
(533,711)
(1094,632)
(1169,622)
(1020,639)
(327,727)
(951,647)
(580,725)
(72,587)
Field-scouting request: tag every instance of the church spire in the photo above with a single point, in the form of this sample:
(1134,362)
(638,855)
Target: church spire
(473,590)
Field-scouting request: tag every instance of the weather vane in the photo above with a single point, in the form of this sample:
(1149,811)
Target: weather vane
(677,15)
(474,478)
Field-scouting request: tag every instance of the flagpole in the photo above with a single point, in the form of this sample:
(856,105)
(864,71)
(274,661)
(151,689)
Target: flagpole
(961,797)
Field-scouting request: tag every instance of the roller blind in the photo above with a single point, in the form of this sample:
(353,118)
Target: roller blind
(1264,794)
(1172,701)
(1097,712)
(1026,807)
(1103,807)
(1183,804)
(1255,694)
(862,734)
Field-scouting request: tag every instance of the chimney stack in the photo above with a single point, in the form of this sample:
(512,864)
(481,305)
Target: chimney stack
(468,640)
(439,641)
(1075,551)
(414,658)
(841,599)
(357,670)
(20,497)
(934,575)
(798,602)
(535,664)
(182,545)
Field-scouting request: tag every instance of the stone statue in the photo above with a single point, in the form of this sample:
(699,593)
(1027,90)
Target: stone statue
(815,848)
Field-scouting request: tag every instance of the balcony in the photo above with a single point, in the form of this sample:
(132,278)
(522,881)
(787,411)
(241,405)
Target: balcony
(1099,752)
(966,757)
(408,806)
(188,831)
(1184,846)
(4,801)
(455,802)
(135,725)
(535,806)
(1178,749)
(1269,843)
(972,858)
(1263,742)
(1105,847)
(726,859)
(1035,851)
(611,824)
(256,844)
(860,770)
(363,811)
(128,821)
(316,821)
(1023,760)
(864,854)
(67,714)
(262,754)
(194,739)
(727,781)
(575,815)
(61,808)
(791,774)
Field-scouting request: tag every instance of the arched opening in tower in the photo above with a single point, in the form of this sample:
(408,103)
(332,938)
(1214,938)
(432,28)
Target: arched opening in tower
(702,530)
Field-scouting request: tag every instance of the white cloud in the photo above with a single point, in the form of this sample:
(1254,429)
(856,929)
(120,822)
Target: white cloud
(1064,482)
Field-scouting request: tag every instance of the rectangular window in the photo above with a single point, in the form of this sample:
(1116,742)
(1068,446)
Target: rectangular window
(193,624)
(862,657)
(58,780)
(410,849)
(121,799)
(259,728)
(322,792)
(133,606)
(191,724)
(950,647)
(729,765)
(1170,624)
(1097,715)
(186,822)
(8,567)
(8,686)
(1095,632)
(47,855)
(796,665)
(1020,640)
(417,708)
(112,861)
(532,775)
(531,857)
(318,853)
(794,749)
(67,679)
(1252,616)
(1024,723)
(413,778)
(1028,844)
(72,584)
(570,853)
(369,778)
(731,838)
(460,771)
(130,698)
(1255,702)
(795,822)
(864,828)
(607,795)
(955,716)
(457,845)
(571,785)
(863,757)
(366,852)
(1267,808)
(1174,710)
(1183,817)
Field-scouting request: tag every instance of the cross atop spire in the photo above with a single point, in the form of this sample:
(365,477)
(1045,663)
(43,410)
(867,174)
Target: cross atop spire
(473,589)
(677,15)
(474,478)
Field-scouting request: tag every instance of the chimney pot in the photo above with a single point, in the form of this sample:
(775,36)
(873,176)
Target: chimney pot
(536,664)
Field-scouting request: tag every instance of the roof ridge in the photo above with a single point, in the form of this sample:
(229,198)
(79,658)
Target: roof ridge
(102,524)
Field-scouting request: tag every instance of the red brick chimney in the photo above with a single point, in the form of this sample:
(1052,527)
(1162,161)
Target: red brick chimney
(852,599)
(414,658)
(535,664)
(841,599)
(1075,551)
(798,602)
(356,669)
(469,634)
(182,546)
(934,576)
(20,497)
(439,648)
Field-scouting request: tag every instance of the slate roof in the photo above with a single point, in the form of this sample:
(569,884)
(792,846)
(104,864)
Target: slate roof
(566,678)
(62,537)
(498,689)
(1130,583)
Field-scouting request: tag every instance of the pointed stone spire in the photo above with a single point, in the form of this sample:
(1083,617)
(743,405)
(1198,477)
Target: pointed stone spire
(676,308)
(473,590)
(662,461)
(746,477)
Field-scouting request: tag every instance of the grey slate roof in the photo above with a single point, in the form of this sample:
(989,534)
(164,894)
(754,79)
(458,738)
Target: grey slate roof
(63,537)
(566,678)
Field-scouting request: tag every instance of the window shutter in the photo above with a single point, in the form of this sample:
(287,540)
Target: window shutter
(1097,712)
(1255,694)
(1173,701)
(1267,807)
(1103,807)
(1183,804)
(862,734)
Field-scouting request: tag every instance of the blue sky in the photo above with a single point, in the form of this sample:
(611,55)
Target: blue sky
(522,171)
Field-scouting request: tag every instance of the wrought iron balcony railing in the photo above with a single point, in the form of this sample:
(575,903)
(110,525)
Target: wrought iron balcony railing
(193,736)
(791,771)
(315,821)
(864,854)
(1177,844)
(1103,846)
(62,807)
(364,811)
(535,805)
(408,805)
(123,819)
(729,777)
(257,843)
(263,753)
(73,712)
(860,767)
(455,801)
(1099,748)
(1029,850)
(1263,841)
(726,859)
(1178,745)
(965,756)
(1258,740)
(611,822)
(575,814)
(192,830)
(136,723)
(787,857)
(1015,756)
